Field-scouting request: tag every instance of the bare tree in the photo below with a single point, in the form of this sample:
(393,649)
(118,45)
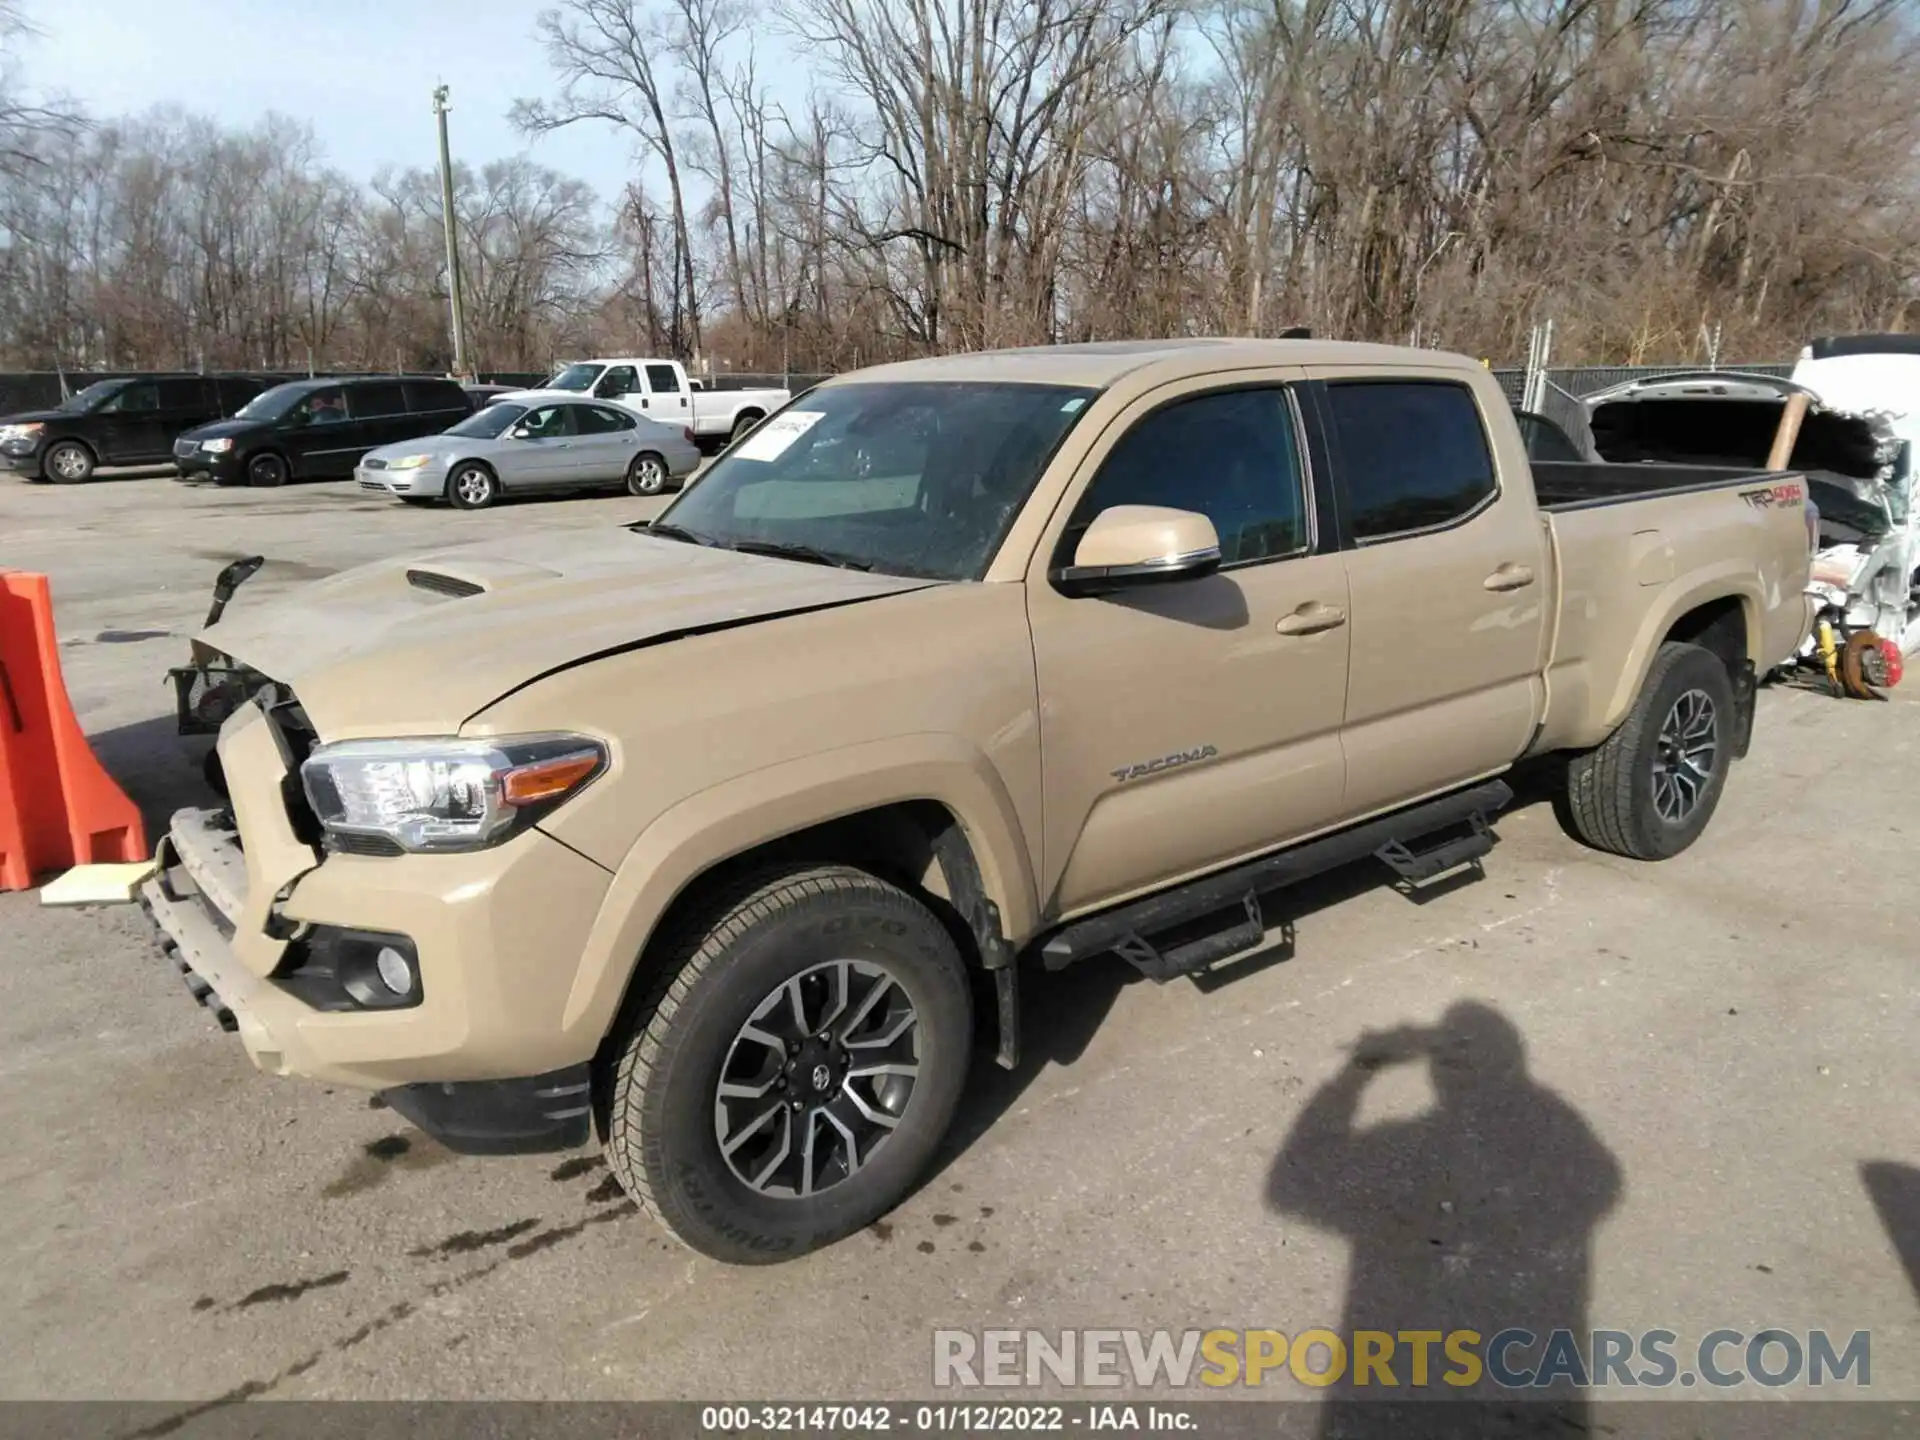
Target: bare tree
(603,51)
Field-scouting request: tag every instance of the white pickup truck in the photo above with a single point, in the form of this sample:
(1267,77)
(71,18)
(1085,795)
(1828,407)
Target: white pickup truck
(661,390)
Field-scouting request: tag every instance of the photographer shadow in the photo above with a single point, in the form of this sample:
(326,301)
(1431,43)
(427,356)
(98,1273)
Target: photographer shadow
(1476,1215)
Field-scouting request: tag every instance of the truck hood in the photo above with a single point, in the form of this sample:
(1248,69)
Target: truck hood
(420,645)
(32,417)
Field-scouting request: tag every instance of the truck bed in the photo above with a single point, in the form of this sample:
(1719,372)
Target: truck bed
(1577,485)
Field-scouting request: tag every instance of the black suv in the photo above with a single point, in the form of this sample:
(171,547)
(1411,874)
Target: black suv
(117,422)
(318,429)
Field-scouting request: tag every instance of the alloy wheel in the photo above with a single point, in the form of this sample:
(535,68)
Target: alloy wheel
(1684,756)
(817,1079)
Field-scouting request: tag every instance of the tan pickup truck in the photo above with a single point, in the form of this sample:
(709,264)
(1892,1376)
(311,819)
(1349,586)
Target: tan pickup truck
(713,836)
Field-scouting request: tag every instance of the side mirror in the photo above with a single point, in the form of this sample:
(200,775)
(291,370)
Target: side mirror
(519,432)
(1130,545)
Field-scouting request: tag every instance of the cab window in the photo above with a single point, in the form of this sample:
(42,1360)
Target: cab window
(1413,455)
(1232,456)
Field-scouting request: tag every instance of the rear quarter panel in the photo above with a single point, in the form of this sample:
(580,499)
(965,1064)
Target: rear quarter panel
(1626,572)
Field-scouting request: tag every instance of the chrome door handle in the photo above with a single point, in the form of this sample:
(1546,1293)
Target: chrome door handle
(1311,618)
(1509,577)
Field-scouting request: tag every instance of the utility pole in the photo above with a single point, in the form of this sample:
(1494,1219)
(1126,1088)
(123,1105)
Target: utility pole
(440,108)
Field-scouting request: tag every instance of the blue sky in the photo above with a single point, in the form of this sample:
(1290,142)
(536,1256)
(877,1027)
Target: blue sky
(361,72)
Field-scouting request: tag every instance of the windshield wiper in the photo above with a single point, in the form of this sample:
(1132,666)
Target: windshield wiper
(668,532)
(804,553)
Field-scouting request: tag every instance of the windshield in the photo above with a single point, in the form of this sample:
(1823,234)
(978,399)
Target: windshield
(917,478)
(488,424)
(575,377)
(96,394)
(273,404)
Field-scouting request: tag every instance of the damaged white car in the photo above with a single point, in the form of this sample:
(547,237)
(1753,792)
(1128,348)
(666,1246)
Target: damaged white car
(1855,443)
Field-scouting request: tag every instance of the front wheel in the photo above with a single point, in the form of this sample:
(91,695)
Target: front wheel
(267,471)
(472,487)
(647,475)
(68,463)
(794,1066)
(1650,788)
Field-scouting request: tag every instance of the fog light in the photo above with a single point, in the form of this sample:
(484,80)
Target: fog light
(395,973)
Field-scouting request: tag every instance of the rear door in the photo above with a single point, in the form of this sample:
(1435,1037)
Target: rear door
(184,403)
(605,441)
(131,428)
(1446,575)
(1194,723)
(233,391)
(435,405)
(380,416)
(666,400)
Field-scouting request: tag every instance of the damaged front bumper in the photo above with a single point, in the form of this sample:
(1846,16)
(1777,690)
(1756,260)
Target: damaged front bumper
(253,915)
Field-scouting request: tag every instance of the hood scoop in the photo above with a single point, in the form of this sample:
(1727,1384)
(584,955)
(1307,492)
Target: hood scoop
(452,586)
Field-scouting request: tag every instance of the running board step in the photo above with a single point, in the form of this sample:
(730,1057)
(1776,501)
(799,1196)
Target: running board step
(1417,867)
(1127,929)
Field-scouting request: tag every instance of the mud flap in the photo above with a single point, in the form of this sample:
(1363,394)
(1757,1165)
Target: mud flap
(1745,684)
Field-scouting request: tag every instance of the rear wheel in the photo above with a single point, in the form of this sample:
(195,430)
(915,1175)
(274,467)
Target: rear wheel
(472,487)
(794,1066)
(1650,788)
(267,471)
(68,463)
(647,475)
(746,421)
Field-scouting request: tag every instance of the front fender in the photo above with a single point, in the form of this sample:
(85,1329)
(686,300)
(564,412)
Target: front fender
(737,815)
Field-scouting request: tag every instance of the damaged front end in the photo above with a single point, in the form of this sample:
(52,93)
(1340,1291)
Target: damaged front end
(212,685)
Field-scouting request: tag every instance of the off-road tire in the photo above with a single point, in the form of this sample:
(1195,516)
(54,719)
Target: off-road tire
(1610,788)
(68,462)
(719,961)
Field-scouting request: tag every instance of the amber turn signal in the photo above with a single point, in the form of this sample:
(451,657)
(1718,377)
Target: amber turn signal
(548,779)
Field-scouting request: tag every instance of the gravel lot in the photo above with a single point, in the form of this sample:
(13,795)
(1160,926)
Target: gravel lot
(1716,1125)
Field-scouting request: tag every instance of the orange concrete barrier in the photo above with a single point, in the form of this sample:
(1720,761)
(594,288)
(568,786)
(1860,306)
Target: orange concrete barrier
(58,806)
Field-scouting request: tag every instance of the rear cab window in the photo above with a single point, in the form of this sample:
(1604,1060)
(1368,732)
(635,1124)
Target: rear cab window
(1413,455)
(663,380)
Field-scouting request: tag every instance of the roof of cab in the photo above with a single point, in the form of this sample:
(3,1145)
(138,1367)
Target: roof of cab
(1100,363)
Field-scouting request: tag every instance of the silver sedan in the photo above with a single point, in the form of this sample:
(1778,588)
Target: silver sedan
(510,448)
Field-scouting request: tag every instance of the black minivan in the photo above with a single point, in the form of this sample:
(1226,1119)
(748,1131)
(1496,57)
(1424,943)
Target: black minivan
(318,429)
(134,421)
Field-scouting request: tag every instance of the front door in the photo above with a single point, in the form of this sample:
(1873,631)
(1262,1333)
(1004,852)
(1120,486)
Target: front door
(541,457)
(1448,584)
(1193,723)
(320,438)
(131,429)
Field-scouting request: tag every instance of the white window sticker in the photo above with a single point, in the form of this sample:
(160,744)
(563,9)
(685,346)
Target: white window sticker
(776,436)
